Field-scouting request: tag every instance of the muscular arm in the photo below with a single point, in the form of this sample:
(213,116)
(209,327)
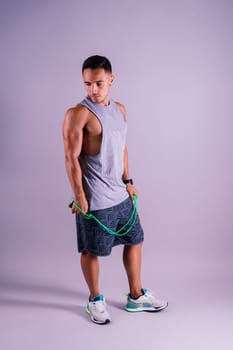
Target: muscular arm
(125,176)
(74,123)
(129,188)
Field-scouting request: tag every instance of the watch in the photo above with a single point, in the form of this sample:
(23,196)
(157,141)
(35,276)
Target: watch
(128,181)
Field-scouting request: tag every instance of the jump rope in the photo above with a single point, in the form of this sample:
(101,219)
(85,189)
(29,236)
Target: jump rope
(118,233)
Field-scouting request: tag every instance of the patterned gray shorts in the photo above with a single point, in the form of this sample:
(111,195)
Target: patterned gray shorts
(92,238)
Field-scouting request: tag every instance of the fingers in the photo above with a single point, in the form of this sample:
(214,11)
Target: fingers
(81,212)
(131,191)
(132,194)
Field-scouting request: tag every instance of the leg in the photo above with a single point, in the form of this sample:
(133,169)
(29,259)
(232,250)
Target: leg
(138,300)
(90,268)
(132,262)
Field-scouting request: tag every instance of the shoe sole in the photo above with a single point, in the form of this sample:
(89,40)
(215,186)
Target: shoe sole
(96,321)
(147,309)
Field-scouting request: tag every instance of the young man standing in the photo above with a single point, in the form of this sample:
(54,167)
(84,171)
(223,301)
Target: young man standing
(96,157)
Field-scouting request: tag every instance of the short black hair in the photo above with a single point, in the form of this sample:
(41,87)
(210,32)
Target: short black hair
(96,61)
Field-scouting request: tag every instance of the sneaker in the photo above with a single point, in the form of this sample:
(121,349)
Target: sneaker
(146,302)
(97,310)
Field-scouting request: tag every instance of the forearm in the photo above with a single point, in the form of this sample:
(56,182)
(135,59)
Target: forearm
(74,173)
(126,174)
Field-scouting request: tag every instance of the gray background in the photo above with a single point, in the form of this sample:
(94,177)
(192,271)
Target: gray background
(173,66)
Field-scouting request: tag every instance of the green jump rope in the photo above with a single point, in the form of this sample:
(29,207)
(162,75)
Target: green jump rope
(118,233)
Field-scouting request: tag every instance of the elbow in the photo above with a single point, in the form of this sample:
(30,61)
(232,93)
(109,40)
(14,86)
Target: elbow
(71,159)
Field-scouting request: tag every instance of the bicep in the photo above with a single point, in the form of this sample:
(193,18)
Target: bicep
(73,134)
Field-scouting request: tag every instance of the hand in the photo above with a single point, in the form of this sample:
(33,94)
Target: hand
(82,203)
(131,190)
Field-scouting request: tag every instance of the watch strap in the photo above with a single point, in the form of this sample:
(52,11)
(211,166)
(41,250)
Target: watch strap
(128,181)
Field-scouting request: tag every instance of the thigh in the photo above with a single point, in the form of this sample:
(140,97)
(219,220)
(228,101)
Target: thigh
(135,234)
(92,237)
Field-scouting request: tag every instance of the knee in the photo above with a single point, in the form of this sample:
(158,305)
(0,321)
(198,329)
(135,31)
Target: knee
(88,255)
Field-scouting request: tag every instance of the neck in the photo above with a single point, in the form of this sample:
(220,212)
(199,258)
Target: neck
(106,101)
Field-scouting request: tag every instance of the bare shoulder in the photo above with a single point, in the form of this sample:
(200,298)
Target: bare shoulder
(122,108)
(76,117)
(77,113)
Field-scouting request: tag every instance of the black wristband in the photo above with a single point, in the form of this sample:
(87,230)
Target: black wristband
(128,181)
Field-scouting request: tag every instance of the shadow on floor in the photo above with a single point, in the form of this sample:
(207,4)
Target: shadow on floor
(36,294)
(78,310)
(39,287)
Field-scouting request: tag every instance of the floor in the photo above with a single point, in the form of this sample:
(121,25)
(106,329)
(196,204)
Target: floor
(43,308)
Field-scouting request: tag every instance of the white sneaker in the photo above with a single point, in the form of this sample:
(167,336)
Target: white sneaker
(146,302)
(97,309)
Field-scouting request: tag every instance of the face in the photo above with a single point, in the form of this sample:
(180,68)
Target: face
(97,84)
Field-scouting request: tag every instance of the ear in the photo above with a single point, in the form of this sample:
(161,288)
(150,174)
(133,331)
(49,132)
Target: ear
(112,78)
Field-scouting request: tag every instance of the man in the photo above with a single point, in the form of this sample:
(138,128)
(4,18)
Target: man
(96,158)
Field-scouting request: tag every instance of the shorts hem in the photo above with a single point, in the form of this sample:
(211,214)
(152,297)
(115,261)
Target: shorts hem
(93,253)
(109,253)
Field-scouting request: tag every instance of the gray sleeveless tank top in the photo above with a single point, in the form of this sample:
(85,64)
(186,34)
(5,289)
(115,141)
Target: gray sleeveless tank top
(102,173)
